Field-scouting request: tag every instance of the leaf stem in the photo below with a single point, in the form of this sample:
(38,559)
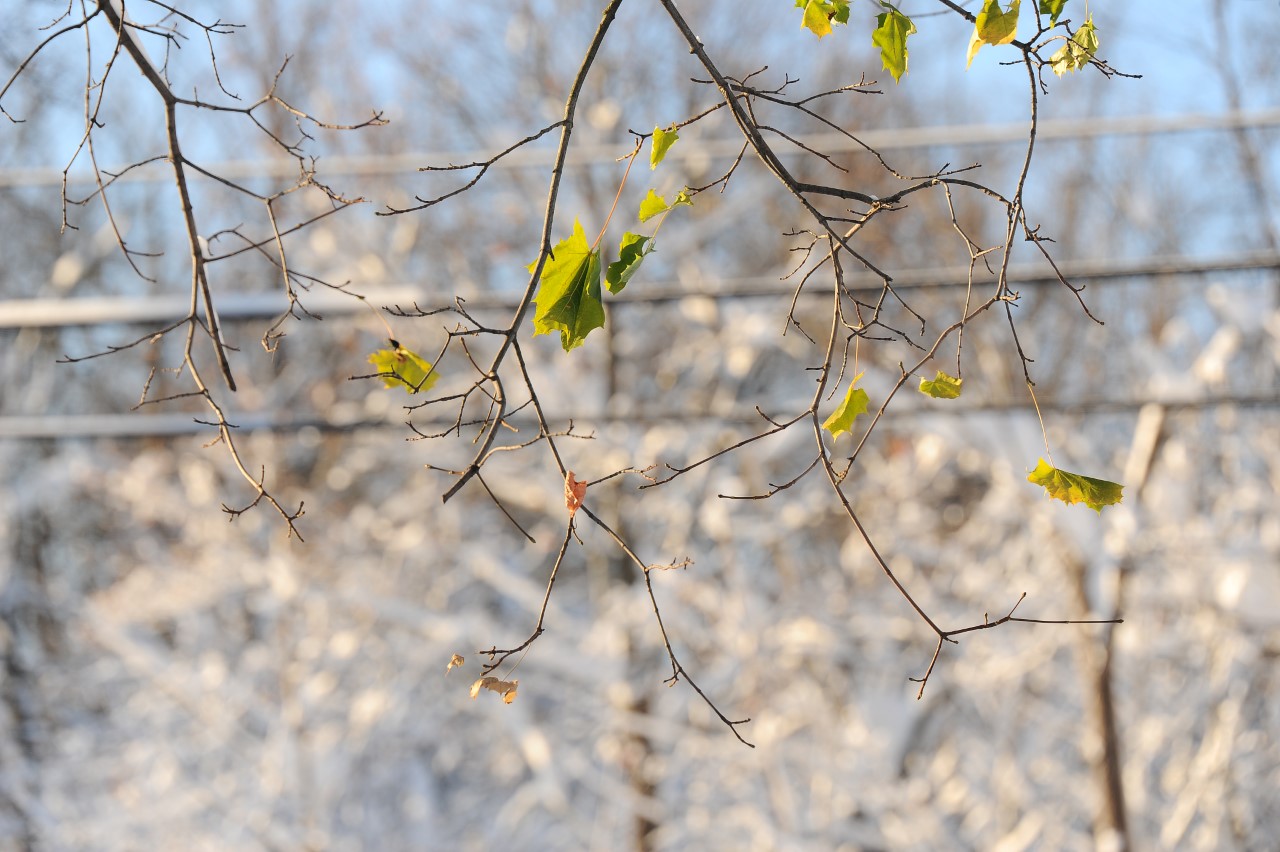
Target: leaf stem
(631,161)
(1044,432)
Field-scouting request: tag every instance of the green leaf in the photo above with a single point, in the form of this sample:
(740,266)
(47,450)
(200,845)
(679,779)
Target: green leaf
(652,205)
(632,251)
(683,199)
(855,403)
(1078,50)
(568,300)
(994,26)
(399,367)
(1074,488)
(891,37)
(662,142)
(820,14)
(942,387)
(1052,8)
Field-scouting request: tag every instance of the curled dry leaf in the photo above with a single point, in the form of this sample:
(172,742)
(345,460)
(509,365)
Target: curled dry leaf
(574,492)
(456,661)
(506,688)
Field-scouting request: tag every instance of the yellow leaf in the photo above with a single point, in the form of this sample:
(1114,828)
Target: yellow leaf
(994,26)
(855,403)
(456,661)
(1075,488)
(398,367)
(816,19)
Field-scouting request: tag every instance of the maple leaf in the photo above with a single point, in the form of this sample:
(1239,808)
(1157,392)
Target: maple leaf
(400,367)
(1052,8)
(632,250)
(662,142)
(942,387)
(652,205)
(505,688)
(891,37)
(1078,50)
(819,15)
(855,403)
(568,300)
(574,492)
(994,26)
(1074,488)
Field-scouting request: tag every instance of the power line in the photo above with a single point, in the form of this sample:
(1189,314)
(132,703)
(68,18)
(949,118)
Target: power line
(138,426)
(62,313)
(881,139)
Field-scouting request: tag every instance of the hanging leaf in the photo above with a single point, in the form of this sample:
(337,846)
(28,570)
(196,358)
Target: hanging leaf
(994,26)
(820,14)
(505,688)
(568,300)
(630,253)
(1078,50)
(402,368)
(891,37)
(1074,488)
(662,142)
(855,403)
(941,387)
(574,492)
(652,205)
(1052,8)
(454,662)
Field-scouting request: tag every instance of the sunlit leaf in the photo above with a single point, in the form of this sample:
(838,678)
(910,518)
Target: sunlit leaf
(454,662)
(941,387)
(1074,488)
(505,688)
(994,26)
(568,299)
(630,253)
(662,142)
(652,205)
(891,37)
(819,15)
(574,493)
(855,403)
(1052,8)
(399,367)
(1077,51)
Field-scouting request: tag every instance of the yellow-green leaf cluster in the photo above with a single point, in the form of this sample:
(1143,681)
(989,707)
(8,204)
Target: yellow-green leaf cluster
(994,26)
(568,299)
(400,367)
(1074,488)
(942,386)
(1077,51)
(890,36)
(855,403)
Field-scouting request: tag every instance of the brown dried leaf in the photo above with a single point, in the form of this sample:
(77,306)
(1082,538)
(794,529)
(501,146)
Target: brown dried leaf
(574,492)
(507,688)
(457,660)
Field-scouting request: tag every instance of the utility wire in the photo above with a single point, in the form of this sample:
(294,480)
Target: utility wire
(881,139)
(171,425)
(62,313)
